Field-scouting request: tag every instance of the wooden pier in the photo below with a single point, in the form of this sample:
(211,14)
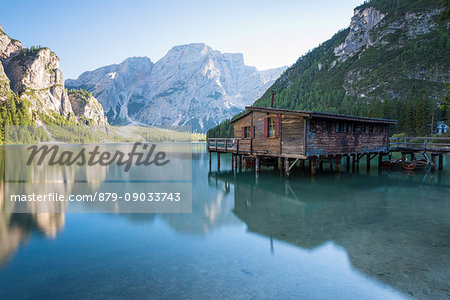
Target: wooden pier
(287,138)
(431,147)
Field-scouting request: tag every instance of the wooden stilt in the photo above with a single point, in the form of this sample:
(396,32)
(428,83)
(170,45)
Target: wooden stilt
(313,166)
(353,162)
(209,153)
(337,164)
(286,167)
(232,161)
(441,162)
(403,157)
(257,164)
(275,166)
(433,162)
(348,163)
(413,157)
(380,160)
(218,160)
(240,162)
(331,163)
(302,164)
(368,161)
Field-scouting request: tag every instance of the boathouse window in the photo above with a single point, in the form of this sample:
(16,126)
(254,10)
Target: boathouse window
(336,126)
(363,128)
(312,125)
(344,128)
(324,126)
(371,128)
(271,122)
(352,128)
(272,127)
(247,132)
(382,129)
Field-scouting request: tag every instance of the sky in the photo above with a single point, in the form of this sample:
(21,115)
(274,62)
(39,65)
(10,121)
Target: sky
(89,34)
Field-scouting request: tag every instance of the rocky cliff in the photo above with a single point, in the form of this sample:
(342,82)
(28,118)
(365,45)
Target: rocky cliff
(191,85)
(358,36)
(34,74)
(87,108)
(30,79)
(8,46)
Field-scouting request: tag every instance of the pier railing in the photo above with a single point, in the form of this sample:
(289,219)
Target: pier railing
(425,144)
(223,144)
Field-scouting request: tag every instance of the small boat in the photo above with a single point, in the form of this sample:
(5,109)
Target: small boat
(249,161)
(414,164)
(391,163)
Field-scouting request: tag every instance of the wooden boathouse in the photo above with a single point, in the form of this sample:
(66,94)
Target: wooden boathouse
(293,135)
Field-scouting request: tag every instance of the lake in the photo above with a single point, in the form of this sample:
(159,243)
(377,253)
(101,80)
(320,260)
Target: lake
(356,235)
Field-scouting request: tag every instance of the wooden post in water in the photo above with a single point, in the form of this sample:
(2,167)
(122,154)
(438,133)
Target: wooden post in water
(441,162)
(413,157)
(380,160)
(368,162)
(321,164)
(337,164)
(433,162)
(286,167)
(313,166)
(331,163)
(218,160)
(302,163)
(257,164)
(240,162)
(232,161)
(209,153)
(275,166)
(348,163)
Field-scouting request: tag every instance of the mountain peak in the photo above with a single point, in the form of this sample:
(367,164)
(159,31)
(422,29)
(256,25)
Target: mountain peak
(137,59)
(191,85)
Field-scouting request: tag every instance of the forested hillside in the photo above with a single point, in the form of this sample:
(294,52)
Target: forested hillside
(392,62)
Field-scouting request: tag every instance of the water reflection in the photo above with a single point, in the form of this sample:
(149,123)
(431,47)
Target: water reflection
(393,228)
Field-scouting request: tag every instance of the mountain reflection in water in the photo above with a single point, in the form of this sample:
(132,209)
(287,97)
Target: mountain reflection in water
(392,227)
(397,232)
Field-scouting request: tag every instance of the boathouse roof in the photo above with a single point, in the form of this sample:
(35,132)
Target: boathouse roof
(311,114)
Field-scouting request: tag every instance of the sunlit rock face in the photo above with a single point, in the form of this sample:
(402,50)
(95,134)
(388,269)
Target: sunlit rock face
(191,85)
(88,109)
(37,77)
(358,37)
(115,85)
(8,46)
(34,75)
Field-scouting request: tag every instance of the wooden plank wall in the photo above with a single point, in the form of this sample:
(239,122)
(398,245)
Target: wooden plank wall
(245,121)
(244,144)
(320,142)
(293,135)
(262,144)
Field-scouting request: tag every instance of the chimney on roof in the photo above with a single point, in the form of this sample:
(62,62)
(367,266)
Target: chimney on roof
(271,102)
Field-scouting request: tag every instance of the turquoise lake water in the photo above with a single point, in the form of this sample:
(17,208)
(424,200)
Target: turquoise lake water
(376,235)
